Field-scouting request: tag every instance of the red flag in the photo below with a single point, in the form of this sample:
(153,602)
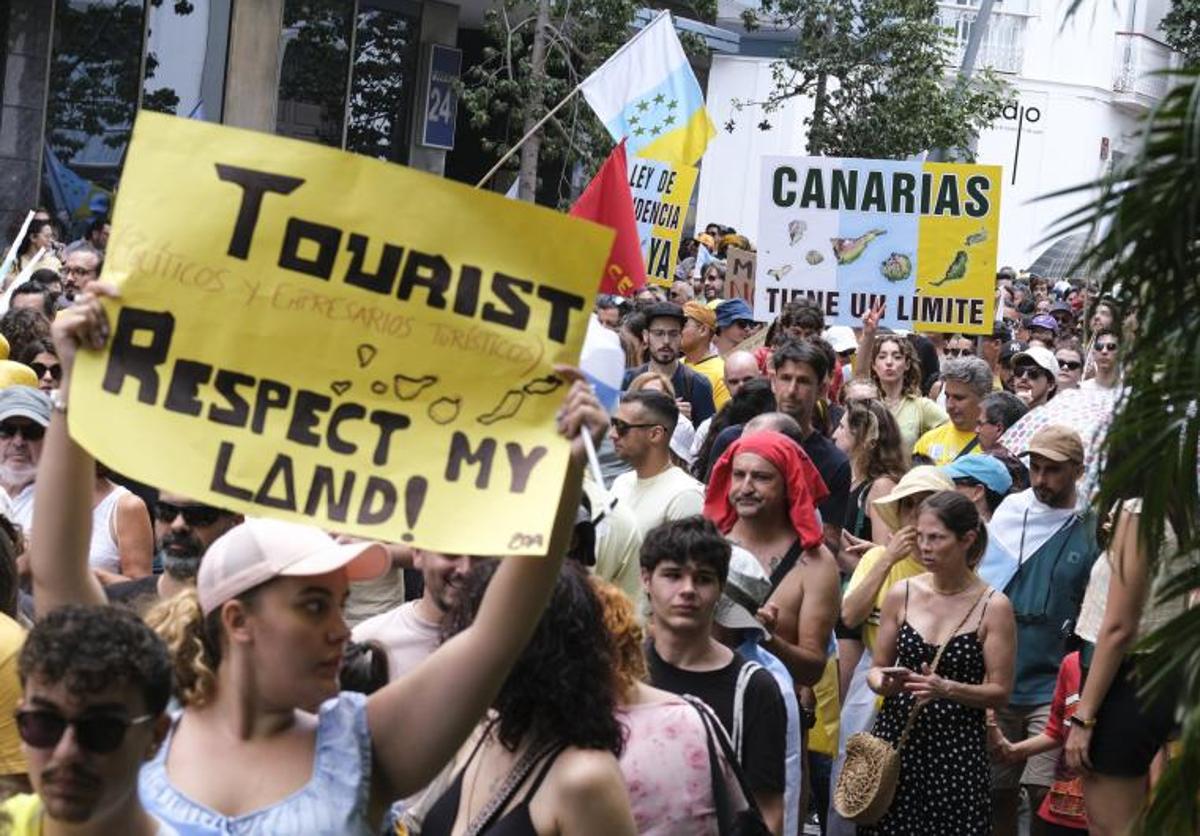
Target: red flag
(607,200)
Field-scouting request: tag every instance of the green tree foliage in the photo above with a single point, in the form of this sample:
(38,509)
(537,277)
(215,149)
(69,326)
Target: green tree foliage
(1181,29)
(877,71)
(95,75)
(534,56)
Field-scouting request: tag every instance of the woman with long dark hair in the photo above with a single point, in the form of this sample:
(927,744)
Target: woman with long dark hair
(546,762)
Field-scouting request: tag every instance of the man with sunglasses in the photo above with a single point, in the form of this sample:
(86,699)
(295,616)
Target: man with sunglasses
(655,490)
(1054,546)
(96,683)
(1105,349)
(183,531)
(1035,375)
(24,416)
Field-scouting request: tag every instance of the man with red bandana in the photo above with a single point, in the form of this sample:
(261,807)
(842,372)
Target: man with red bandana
(763,496)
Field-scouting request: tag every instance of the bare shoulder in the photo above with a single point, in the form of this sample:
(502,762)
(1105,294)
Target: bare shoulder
(819,562)
(580,772)
(881,487)
(999,609)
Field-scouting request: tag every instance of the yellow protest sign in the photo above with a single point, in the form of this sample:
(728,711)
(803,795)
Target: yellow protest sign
(312,335)
(662,193)
(918,237)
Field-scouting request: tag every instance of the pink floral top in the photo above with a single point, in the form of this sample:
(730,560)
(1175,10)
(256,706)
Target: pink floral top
(665,764)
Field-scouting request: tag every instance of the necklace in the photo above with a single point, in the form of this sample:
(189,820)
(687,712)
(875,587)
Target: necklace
(970,582)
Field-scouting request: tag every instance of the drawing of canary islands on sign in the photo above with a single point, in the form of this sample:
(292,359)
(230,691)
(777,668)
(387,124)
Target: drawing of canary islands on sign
(850,233)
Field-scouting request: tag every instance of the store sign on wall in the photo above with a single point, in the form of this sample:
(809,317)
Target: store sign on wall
(441,99)
(1022,115)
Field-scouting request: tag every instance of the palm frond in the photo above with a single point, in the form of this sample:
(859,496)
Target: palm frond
(1143,219)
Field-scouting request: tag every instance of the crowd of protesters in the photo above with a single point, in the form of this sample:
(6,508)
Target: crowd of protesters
(800,532)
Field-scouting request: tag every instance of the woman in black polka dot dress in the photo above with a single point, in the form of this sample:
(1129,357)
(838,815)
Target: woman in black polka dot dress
(944,775)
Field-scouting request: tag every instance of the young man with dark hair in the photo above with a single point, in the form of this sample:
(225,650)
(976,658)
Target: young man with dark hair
(1104,355)
(655,490)
(798,372)
(96,683)
(34,296)
(664,339)
(684,568)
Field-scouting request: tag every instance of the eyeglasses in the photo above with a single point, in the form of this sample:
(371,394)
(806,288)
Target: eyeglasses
(1070,365)
(194,516)
(659,334)
(623,427)
(960,352)
(79,271)
(29,432)
(40,370)
(102,734)
(1029,372)
(1106,347)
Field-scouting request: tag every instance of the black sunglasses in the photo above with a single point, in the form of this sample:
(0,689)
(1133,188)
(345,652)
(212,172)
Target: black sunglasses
(102,734)
(1105,347)
(1071,365)
(623,427)
(193,515)
(29,432)
(40,370)
(1029,372)
(960,352)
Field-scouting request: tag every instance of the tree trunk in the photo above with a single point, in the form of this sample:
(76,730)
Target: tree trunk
(818,117)
(527,174)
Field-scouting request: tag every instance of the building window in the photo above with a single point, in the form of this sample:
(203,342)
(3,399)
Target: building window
(95,78)
(107,60)
(364,105)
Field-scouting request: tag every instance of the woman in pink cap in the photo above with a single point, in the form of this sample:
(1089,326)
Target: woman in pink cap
(258,646)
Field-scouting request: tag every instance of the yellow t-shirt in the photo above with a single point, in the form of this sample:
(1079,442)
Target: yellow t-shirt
(24,814)
(713,368)
(944,443)
(917,416)
(12,759)
(906,568)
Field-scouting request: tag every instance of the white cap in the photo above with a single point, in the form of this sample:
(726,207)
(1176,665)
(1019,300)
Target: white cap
(260,550)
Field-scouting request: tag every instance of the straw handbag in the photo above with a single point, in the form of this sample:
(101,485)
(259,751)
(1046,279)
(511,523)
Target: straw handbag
(872,769)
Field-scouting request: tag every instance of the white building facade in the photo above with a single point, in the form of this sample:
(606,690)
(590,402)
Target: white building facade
(1079,86)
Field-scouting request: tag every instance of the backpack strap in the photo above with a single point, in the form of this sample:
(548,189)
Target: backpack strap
(739,705)
(717,741)
(786,564)
(971,445)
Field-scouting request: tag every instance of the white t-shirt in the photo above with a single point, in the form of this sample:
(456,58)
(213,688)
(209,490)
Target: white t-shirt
(406,636)
(671,495)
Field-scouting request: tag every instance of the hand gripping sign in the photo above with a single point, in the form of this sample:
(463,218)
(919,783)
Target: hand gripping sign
(311,335)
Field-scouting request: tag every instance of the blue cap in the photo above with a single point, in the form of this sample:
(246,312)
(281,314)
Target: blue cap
(732,310)
(987,470)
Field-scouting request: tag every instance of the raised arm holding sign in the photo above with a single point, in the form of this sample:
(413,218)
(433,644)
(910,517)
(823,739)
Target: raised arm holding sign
(297,352)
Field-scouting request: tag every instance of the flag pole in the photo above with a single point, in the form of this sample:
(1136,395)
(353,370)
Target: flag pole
(528,134)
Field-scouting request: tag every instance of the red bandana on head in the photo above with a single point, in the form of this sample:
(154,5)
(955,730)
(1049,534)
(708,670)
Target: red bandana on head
(805,487)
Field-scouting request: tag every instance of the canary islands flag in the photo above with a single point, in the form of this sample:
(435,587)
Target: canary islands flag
(647,92)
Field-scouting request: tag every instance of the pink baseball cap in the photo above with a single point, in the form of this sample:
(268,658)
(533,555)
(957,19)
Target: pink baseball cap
(259,550)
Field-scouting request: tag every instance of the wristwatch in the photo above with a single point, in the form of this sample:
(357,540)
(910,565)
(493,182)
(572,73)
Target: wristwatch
(1082,722)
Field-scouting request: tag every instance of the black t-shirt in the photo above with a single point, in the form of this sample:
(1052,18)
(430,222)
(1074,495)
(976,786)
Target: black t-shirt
(764,717)
(830,462)
(834,467)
